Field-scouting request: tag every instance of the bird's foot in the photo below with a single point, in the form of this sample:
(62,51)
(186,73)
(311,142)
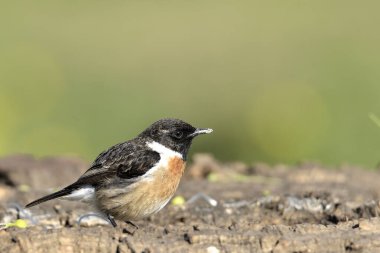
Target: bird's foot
(131,232)
(131,223)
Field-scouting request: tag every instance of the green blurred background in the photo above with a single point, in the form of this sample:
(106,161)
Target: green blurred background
(279,81)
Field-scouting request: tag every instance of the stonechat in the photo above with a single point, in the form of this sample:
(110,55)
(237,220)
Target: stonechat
(136,178)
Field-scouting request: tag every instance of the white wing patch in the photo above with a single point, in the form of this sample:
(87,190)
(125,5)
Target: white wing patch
(85,194)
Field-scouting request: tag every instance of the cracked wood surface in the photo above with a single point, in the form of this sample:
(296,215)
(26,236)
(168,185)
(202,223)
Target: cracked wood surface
(353,236)
(259,209)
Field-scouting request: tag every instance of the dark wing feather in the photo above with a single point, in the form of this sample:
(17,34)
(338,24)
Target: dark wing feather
(137,164)
(125,161)
(54,195)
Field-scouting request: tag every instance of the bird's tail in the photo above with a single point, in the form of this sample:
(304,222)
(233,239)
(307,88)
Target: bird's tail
(54,195)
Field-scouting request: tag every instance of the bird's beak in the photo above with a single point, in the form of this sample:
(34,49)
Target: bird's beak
(199,131)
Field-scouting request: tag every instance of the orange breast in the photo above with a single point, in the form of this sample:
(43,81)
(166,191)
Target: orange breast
(167,179)
(176,166)
(146,196)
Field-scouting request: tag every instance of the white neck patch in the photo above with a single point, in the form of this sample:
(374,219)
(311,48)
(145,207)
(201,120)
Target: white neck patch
(162,150)
(165,155)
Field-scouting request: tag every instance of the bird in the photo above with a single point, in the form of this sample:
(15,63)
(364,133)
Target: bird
(136,178)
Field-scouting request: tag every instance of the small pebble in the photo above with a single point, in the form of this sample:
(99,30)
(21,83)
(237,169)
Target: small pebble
(212,249)
(178,201)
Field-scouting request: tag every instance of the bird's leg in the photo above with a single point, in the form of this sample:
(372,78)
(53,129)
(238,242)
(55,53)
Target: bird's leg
(131,223)
(112,220)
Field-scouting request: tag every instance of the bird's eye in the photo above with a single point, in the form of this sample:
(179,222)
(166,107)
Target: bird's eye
(178,134)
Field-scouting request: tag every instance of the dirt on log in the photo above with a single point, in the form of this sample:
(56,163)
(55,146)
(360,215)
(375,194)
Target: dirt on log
(229,207)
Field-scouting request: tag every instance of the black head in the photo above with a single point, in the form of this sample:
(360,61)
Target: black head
(174,134)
